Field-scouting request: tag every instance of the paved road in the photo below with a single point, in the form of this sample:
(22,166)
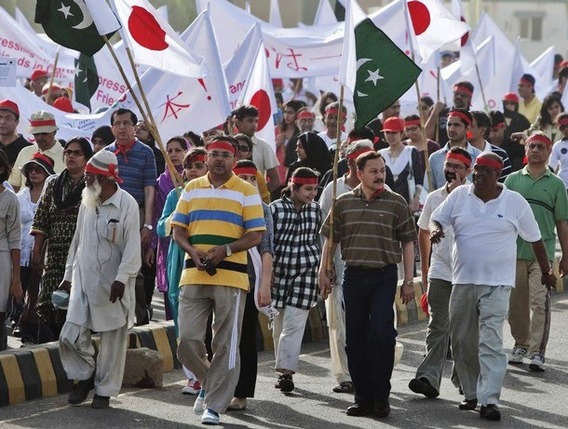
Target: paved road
(529,399)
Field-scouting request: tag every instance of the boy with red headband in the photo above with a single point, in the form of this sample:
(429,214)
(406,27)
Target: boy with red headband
(331,118)
(486,219)
(529,312)
(217,219)
(435,126)
(459,121)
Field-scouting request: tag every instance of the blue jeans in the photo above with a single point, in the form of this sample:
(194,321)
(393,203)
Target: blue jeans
(370,333)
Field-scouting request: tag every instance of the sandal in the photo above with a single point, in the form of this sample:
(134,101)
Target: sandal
(344,387)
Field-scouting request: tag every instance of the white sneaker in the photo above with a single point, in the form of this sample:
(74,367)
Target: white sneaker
(537,362)
(210,417)
(517,355)
(199,404)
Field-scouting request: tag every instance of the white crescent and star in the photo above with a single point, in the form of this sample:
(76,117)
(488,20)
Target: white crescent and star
(374,76)
(86,22)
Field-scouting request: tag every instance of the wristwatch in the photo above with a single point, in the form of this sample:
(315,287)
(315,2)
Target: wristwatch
(148,227)
(228,251)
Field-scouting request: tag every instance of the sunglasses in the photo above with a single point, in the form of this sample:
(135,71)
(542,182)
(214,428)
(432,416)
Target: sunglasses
(34,169)
(70,152)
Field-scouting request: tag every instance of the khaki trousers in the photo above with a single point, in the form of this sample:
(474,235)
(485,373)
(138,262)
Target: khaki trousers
(219,378)
(530,331)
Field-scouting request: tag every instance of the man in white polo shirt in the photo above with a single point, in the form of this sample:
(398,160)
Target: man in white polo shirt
(486,219)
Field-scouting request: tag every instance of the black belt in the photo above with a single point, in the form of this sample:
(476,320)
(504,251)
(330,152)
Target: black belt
(223,265)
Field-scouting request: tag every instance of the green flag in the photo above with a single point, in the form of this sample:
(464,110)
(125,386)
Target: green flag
(383,72)
(69,23)
(86,80)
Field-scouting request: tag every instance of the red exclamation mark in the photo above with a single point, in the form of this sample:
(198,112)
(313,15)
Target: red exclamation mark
(202,83)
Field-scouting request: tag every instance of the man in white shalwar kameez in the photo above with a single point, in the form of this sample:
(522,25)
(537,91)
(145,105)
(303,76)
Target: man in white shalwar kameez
(102,265)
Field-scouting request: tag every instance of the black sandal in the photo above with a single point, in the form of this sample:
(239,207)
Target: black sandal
(344,387)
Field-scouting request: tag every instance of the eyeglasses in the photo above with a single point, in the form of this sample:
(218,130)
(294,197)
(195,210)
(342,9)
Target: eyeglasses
(34,169)
(244,148)
(69,152)
(123,124)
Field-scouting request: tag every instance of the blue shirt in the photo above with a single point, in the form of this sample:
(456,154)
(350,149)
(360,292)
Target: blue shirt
(137,169)
(436,162)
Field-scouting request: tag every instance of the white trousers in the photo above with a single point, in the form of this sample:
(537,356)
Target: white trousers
(78,357)
(287,333)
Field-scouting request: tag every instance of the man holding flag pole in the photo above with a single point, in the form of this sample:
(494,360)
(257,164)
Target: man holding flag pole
(377,72)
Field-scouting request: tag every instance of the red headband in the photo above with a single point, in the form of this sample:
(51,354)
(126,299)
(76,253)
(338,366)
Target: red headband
(334,111)
(488,162)
(221,144)
(539,138)
(43,123)
(460,115)
(563,121)
(304,180)
(198,157)
(355,155)
(305,114)
(111,172)
(459,157)
(412,122)
(500,125)
(463,89)
(39,155)
(245,170)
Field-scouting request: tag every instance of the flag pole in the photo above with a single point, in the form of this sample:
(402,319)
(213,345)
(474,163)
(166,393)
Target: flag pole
(426,163)
(176,178)
(485,107)
(330,255)
(136,100)
(52,76)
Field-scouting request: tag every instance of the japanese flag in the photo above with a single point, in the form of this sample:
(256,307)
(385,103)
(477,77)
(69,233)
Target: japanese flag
(434,26)
(258,92)
(153,42)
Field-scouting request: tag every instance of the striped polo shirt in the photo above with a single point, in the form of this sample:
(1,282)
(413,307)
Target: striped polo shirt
(137,169)
(370,232)
(215,217)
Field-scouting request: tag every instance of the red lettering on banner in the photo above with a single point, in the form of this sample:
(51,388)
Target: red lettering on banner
(172,109)
(293,64)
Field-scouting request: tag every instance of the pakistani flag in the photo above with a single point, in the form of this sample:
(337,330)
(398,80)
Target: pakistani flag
(86,80)
(70,24)
(375,70)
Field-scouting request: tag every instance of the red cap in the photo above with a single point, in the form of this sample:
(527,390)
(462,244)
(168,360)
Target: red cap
(11,106)
(64,104)
(38,74)
(511,96)
(394,125)
(277,82)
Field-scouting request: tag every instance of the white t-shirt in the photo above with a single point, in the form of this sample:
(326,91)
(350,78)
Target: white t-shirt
(485,235)
(559,156)
(441,260)
(263,155)
(331,142)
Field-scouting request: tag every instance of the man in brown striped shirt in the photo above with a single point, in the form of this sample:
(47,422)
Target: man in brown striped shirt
(372,224)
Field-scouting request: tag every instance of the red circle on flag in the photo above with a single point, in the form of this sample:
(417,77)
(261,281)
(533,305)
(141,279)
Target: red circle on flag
(146,30)
(420,16)
(465,37)
(261,101)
